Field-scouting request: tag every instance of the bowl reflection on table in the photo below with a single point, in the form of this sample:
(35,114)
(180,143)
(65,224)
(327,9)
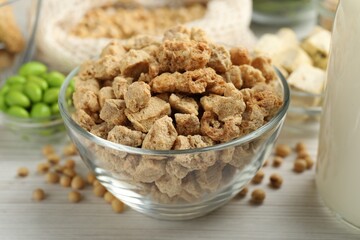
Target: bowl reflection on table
(235,164)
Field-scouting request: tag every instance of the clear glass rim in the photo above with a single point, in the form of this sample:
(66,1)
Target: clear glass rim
(32,122)
(70,123)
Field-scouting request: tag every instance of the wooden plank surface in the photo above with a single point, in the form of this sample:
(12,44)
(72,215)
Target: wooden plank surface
(292,212)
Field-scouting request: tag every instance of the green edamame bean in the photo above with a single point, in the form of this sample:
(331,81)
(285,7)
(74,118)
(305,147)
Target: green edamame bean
(17,111)
(15,98)
(55,79)
(32,68)
(40,110)
(17,87)
(39,81)
(4,89)
(72,84)
(2,103)
(16,79)
(55,108)
(51,95)
(33,91)
(69,92)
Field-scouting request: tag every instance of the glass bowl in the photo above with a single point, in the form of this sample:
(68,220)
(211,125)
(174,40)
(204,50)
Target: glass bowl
(129,173)
(24,15)
(44,130)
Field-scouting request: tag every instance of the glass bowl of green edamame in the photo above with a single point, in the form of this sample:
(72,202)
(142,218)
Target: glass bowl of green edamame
(28,103)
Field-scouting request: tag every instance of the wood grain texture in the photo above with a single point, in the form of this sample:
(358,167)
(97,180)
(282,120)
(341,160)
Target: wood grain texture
(292,212)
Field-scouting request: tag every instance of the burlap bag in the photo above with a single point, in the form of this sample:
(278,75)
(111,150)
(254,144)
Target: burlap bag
(225,21)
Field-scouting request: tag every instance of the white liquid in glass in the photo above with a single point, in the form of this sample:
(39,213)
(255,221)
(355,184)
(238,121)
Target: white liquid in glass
(338,167)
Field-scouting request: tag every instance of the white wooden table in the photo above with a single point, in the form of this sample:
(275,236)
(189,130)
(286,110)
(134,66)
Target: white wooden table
(292,212)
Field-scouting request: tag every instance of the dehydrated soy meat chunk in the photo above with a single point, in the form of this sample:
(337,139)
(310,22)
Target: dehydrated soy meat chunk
(251,76)
(126,136)
(161,135)
(149,170)
(197,81)
(266,68)
(114,48)
(220,58)
(107,67)
(145,118)
(187,124)
(104,94)
(169,184)
(240,56)
(102,129)
(137,96)
(184,104)
(135,62)
(113,112)
(120,86)
(180,56)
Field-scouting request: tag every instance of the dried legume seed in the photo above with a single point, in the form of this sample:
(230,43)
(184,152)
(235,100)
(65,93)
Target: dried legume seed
(303,154)
(65,181)
(43,168)
(117,206)
(282,150)
(52,177)
(96,183)
(276,180)
(258,196)
(53,158)
(309,162)
(38,194)
(277,161)
(74,196)
(22,172)
(99,191)
(69,172)
(77,183)
(59,169)
(108,197)
(47,150)
(242,193)
(70,150)
(91,177)
(70,164)
(300,146)
(259,176)
(299,165)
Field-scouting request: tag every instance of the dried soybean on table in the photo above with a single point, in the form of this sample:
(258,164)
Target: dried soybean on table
(292,212)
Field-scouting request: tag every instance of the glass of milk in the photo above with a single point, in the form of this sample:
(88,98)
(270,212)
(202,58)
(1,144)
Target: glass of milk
(338,166)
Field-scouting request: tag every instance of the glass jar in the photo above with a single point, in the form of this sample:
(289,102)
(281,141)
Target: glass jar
(282,12)
(327,9)
(17,46)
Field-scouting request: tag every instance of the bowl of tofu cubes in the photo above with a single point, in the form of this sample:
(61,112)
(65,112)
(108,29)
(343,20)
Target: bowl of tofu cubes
(303,63)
